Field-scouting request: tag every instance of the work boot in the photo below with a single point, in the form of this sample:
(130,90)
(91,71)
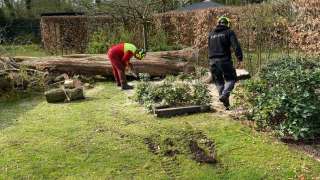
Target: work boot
(225,101)
(126,87)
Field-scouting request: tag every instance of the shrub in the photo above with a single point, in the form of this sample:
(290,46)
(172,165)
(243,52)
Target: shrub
(285,97)
(172,92)
(102,40)
(201,94)
(159,42)
(97,43)
(25,39)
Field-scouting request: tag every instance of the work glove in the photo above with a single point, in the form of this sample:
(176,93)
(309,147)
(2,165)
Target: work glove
(134,74)
(239,65)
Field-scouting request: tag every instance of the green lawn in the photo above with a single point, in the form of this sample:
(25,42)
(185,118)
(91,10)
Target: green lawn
(103,137)
(22,50)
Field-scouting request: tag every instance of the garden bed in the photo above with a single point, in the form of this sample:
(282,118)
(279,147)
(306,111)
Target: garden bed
(284,97)
(174,96)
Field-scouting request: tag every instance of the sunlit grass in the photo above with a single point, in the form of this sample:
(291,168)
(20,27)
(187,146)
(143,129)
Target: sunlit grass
(103,138)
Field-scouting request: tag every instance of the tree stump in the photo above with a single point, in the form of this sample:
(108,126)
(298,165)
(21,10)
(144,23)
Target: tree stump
(64,95)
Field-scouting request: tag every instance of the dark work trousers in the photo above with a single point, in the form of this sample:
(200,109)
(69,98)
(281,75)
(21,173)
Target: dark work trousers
(224,76)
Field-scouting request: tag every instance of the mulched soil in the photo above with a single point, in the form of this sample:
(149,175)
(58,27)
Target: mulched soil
(310,147)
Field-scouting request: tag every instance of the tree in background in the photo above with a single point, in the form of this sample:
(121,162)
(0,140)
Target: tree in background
(34,8)
(140,11)
(28,4)
(9,5)
(28,7)
(2,14)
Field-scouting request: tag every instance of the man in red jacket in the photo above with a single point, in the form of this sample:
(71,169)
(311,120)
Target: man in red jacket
(120,56)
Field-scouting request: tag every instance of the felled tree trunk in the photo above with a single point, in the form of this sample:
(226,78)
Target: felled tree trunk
(85,66)
(64,95)
(155,63)
(187,54)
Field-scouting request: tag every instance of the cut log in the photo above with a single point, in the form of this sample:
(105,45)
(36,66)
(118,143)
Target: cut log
(64,95)
(76,94)
(242,74)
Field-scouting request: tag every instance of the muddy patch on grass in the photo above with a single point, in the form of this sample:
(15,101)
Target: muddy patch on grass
(152,145)
(202,148)
(166,148)
(195,145)
(173,143)
(170,149)
(205,154)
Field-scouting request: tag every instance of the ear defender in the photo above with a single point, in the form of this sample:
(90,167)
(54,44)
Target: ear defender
(141,54)
(225,21)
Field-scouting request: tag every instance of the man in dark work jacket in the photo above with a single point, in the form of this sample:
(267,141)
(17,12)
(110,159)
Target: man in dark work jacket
(221,40)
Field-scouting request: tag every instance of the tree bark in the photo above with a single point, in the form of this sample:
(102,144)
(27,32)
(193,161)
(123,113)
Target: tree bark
(104,68)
